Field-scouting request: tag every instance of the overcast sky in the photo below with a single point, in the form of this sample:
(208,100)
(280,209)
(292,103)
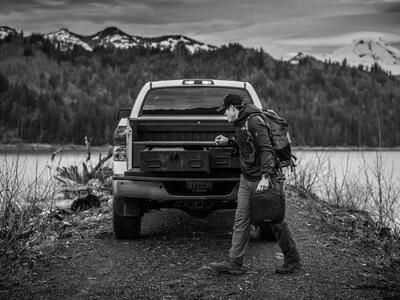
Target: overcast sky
(280,27)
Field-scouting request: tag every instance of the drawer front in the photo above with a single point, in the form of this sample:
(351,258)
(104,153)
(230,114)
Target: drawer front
(175,161)
(224,158)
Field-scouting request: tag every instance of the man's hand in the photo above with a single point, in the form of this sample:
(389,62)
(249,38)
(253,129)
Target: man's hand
(221,140)
(263,184)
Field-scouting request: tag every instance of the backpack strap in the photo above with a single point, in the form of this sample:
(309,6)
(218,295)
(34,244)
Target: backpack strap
(246,126)
(265,123)
(283,123)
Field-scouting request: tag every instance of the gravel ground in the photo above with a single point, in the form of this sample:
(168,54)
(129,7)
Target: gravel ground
(169,261)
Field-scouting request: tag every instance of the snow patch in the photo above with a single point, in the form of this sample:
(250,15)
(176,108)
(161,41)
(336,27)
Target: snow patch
(5,31)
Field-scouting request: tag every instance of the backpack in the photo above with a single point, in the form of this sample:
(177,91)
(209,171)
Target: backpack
(279,135)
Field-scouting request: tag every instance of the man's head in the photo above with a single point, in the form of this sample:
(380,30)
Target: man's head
(231,106)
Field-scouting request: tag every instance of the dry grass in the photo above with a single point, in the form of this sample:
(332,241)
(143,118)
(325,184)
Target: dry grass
(373,188)
(27,195)
(24,202)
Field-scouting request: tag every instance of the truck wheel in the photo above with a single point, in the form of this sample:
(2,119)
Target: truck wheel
(126,227)
(264,232)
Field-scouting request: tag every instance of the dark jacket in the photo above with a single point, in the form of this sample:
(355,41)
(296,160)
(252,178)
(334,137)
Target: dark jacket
(256,154)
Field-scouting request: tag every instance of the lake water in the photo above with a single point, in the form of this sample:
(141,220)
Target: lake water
(355,179)
(351,165)
(353,173)
(33,164)
(30,175)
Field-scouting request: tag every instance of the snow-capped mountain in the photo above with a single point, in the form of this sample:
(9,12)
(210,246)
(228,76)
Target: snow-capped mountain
(297,58)
(114,37)
(171,41)
(5,31)
(67,39)
(367,52)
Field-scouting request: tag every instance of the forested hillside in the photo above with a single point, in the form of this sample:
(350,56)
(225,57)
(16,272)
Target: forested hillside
(51,96)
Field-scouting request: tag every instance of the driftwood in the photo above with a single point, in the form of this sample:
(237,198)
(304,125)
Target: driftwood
(67,174)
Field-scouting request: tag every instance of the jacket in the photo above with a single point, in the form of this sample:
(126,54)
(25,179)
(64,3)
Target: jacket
(256,154)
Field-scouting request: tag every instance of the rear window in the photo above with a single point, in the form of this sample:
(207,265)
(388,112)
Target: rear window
(188,100)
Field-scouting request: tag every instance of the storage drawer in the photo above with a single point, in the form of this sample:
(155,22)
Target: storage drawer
(174,160)
(224,158)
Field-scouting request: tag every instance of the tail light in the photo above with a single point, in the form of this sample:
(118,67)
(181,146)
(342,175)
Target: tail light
(120,154)
(120,144)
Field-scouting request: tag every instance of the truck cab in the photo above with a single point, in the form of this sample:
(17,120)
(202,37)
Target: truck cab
(165,155)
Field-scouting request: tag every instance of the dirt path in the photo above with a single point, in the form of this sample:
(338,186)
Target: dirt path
(168,262)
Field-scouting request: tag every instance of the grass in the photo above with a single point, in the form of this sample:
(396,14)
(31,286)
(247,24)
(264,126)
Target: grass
(24,203)
(372,193)
(372,187)
(27,195)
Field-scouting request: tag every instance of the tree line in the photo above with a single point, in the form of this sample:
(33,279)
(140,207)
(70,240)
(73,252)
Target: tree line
(53,96)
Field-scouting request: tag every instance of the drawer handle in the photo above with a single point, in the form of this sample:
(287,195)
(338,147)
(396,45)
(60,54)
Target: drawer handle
(195,163)
(154,163)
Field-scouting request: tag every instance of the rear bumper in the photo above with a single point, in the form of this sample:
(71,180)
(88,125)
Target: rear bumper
(153,189)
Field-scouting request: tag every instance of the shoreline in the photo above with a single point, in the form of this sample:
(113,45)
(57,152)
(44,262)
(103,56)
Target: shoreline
(48,148)
(350,148)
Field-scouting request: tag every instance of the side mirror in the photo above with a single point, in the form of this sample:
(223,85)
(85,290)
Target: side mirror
(124,113)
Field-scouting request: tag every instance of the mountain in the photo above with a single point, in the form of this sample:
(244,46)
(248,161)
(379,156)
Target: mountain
(367,52)
(297,58)
(171,41)
(67,39)
(116,38)
(5,31)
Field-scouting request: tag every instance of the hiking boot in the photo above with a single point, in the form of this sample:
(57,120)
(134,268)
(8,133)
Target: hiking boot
(288,268)
(228,267)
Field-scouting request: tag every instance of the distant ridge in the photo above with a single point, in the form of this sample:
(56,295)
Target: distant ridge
(365,51)
(116,38)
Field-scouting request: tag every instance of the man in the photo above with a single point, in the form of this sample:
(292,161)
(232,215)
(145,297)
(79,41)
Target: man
(259,167)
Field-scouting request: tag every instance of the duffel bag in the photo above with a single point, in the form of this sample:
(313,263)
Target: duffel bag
(267,205)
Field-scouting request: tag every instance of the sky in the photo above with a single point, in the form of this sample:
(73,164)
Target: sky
(280,27)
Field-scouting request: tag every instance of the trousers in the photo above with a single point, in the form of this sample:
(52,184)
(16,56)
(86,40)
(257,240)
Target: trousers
(242,227)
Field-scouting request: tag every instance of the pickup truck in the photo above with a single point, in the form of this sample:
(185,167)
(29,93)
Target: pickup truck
(165,154)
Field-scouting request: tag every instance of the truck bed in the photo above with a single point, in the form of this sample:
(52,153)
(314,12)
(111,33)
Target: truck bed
(181,145)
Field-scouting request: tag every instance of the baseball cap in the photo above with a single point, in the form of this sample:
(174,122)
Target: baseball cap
(230,99)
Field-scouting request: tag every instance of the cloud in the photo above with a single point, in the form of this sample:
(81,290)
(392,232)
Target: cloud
(276,25)
(392,8)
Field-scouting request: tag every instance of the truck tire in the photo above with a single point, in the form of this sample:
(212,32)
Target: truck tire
(264,232)
(126,227)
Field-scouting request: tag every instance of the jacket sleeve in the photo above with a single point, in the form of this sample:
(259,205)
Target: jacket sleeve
(260,134)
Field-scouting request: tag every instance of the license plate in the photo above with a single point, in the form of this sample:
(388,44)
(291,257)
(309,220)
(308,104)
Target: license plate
(199,186)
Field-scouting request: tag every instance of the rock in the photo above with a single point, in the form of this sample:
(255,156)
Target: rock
(85,203)
(385,232)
